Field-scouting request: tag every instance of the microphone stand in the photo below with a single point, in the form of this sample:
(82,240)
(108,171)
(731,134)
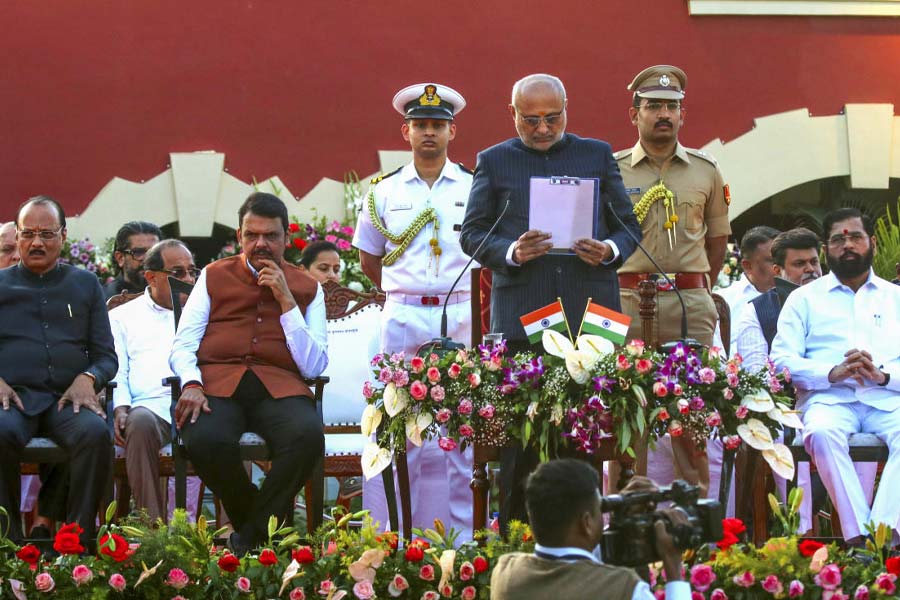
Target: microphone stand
(443,344)
(685,340)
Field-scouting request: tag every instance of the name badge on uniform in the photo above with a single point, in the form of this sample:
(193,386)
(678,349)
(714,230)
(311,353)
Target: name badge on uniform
(459,203)
(401,206)
(630,191)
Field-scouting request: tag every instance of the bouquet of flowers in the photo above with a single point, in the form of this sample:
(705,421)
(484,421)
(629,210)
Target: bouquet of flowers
(696,394)
(84,254)
(731,268)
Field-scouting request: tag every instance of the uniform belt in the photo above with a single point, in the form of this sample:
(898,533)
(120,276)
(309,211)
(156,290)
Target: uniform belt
(683,281)
(436,300)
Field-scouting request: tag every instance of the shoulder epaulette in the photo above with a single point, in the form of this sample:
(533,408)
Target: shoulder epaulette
(384,176)
(622,153)
(466,169)
(701,154)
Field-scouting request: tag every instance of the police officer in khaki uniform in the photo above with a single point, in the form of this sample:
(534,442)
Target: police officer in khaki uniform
(681,202)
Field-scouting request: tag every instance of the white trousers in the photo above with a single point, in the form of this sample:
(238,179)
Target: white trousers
(438,480)
(825,435)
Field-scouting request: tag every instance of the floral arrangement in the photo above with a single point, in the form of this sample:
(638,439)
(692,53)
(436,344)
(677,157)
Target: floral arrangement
(320,228)
(582,396)
(181,561)
(731,268)
(86,255)
(790,567)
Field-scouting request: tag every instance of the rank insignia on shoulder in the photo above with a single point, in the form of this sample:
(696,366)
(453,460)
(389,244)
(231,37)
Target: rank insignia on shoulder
(466,169)
(384,176)
(727,192)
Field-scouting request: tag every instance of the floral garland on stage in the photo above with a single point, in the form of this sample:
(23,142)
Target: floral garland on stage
(582,396)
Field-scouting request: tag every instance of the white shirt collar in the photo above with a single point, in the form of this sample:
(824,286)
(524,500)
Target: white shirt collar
(450,171)
(561,551)
(871,281)
(152,303)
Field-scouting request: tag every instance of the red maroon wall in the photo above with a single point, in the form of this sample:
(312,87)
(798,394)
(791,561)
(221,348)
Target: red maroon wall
(302,89)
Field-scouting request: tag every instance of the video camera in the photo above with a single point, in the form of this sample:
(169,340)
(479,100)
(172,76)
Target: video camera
(630,539)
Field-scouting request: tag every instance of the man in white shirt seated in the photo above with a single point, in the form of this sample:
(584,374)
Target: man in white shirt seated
(143,330)
(562,498)
(838,337)
(758,277)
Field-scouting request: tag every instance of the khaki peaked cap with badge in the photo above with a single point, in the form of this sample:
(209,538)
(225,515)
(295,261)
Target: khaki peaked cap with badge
(428,101)
(676,234)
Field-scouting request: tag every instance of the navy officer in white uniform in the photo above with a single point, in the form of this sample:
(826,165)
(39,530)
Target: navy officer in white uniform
(408,240)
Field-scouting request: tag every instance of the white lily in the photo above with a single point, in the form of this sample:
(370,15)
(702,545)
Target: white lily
(374,460)
(416,426)
(758,400)
(370,420)
(756,434)
(395,399)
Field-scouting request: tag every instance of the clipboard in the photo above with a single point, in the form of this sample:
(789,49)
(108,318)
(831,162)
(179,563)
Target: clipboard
(566,207)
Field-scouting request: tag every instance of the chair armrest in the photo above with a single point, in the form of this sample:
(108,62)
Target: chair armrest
(110,409)
(174,384)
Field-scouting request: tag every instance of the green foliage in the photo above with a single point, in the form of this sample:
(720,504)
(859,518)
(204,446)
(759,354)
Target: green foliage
(887,234)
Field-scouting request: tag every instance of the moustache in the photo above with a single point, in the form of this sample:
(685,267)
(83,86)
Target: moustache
(851,254)
(663,122)
(261,253)
(36,251)
(808,277)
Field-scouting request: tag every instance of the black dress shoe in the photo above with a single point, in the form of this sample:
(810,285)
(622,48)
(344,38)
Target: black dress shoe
(237,547)
(41,537)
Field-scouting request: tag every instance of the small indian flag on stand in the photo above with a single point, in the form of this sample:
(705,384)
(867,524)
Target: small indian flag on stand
(549,317)
(599,320)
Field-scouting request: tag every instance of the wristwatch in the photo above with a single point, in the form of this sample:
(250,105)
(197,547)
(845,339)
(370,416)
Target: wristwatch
(887,379)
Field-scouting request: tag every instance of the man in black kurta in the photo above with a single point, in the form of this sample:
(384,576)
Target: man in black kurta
(56,352)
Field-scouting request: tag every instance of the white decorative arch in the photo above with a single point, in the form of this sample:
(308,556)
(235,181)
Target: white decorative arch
(786,149)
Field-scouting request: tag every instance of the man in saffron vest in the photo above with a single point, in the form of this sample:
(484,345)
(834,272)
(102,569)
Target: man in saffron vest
(252,329)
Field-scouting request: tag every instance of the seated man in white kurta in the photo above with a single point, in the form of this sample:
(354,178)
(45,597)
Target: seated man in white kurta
(838,337)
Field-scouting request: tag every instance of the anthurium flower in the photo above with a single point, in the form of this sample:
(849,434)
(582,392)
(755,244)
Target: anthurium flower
(758,400)
(370,420)
(594,344)
(416,426)
(783,415)
(579,364)
(374,459)
(556,344)
(781,460)
(395,399)
(756,434)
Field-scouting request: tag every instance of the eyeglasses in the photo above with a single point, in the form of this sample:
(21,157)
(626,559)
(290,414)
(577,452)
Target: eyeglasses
(45,234)
(181,272)
(839,239)
(136,253)
(658,106)
(535,121)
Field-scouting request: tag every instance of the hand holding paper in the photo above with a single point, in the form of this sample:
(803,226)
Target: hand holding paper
(530,245)
(593,252)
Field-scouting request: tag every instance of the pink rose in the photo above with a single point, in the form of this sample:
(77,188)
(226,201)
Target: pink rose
(347,230)
(331,238)
(443,415)
(433,374)
(469,592)
(343,245)
(486,412)
(837,594)
(635,347)
(446,590)
(861,593)
(398,585)
(418,390)
(829,577)
(697,403)
(795,589)
(466,571)
(177,579)
(675,428)
(400,377)
(733,366)
(773,585)
(622,363)
(44,582)
(643,366)
(466,430)
(718,594)
(465,407)
(741,412)
(732,380)
(663,414)
(474,380)
(728,394)
(659,594)
(437,393)
(368,390)
(683,406)
(885,581)
(745,579)
(384,376)
(363,590)
(243,585)
(707,375)
(695,595)
(702,577)
(117,582)
(430,595)
(660,389)
(731,441)
(326,587)
(714,419)
(81,575)
(297,594)
(677,389)
(426,573)
(447,444)
(417,364)
(454,370)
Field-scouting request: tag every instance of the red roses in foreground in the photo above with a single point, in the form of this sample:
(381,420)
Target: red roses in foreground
(68,541)
(731,529)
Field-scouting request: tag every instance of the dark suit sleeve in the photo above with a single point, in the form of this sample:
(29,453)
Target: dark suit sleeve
(615,199)
(482,210)
(101,349)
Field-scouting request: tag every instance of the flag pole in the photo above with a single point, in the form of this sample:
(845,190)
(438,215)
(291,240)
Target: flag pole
(565,320)
(580,327)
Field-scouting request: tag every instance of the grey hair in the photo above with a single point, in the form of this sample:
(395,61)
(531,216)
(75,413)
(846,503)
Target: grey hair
(538,79)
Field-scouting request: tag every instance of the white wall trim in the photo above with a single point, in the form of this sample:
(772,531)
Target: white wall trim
(822,8)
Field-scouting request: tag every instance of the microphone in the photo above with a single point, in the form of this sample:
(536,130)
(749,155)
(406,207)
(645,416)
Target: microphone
(444,343)
(685,340)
